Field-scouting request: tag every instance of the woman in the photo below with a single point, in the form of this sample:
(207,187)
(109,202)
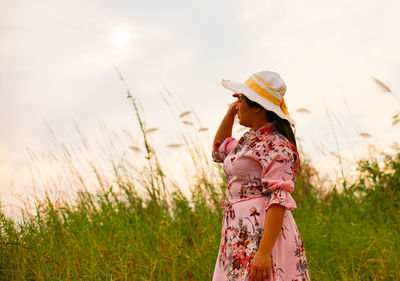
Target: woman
(259,238)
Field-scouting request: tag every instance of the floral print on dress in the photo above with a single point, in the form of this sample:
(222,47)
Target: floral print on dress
(240,242)
(260,169)
(301,265)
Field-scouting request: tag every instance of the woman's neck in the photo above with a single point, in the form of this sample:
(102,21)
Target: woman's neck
(258,124)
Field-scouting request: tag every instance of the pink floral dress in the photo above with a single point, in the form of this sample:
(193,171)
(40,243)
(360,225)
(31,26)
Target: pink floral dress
(260,169)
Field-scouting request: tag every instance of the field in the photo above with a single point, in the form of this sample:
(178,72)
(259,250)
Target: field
(351,232)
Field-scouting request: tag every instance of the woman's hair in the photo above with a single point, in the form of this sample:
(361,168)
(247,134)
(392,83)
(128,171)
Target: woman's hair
(282,125)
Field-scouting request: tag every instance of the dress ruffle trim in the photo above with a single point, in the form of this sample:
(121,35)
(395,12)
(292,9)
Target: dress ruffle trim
(276,184)
(281,197)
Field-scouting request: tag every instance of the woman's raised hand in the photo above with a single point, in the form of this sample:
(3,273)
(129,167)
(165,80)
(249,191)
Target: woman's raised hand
(225,128)
(233,108)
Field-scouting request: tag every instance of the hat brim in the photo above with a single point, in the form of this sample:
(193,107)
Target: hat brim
(241,88)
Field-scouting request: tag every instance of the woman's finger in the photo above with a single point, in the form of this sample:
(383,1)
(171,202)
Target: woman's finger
(259,275)
(252,274)
(265,275)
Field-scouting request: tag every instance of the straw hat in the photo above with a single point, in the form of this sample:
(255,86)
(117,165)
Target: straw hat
(265,88)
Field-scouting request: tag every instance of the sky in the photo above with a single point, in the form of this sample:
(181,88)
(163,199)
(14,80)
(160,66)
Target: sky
(58,59)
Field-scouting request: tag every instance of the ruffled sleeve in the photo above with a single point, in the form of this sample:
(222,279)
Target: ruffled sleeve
(279,161)
(222,148)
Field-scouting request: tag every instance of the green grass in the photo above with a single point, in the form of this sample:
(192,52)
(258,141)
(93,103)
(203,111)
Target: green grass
(348,235)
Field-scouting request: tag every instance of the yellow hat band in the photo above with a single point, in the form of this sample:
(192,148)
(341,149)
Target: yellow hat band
(265,94)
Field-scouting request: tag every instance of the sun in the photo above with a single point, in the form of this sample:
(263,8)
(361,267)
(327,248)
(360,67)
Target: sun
(121,38)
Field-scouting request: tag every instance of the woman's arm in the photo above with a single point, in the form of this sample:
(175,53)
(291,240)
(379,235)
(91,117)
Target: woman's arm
(225,128)
(261,264)
(272,227)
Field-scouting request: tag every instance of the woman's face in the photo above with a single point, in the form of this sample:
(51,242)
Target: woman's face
(245,112)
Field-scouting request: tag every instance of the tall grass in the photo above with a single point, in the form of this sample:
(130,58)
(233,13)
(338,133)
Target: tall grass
(350,232)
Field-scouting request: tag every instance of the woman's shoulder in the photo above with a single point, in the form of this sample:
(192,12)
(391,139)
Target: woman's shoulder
(274,141)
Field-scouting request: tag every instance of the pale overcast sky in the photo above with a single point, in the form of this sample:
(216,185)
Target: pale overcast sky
(57,64)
